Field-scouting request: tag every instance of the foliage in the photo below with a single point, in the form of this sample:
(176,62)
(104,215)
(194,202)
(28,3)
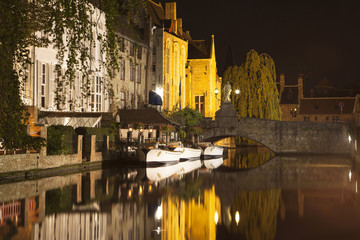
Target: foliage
(196,130)
(100,134)
(167,128)
(256,79)
(60,140)
(67,26)
(186,117)
(138,125)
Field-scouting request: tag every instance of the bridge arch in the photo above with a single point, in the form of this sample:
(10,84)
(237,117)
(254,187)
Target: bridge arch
(281,136)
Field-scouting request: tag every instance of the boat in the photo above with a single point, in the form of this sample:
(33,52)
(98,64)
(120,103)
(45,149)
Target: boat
(210,150)
(213,163)
(186,153)
(157,157)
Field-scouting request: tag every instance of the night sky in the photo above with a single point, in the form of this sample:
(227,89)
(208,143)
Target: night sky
(318,39)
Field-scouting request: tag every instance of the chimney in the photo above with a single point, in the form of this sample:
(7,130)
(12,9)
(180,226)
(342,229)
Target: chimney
(170,10)
(300,87)
(179,25)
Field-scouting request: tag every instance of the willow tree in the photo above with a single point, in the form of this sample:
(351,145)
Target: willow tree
(67,26)
(256,80)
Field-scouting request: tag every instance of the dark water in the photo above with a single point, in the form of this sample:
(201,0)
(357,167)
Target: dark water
(244,196)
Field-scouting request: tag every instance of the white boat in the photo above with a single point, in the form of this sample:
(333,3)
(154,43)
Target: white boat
(158,156)
(213,151)
(213,163)
(156,174)
(188,154)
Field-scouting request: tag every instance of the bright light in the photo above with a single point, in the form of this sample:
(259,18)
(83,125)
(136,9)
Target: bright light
(150,188)
(129,193)
(350,176)
(216,217)
(150,130)
(237,91)
(216,91)
(356,187)
(140,190)
(349,139)
(237,217)
(130,129)
(158,213)
(159,91)
(66,121)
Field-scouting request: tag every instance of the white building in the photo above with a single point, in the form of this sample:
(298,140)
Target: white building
(40,88)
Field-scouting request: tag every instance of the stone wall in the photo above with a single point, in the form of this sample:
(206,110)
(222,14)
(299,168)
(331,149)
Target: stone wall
(282,136)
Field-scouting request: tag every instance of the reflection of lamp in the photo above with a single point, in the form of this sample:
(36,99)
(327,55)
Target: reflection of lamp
(140,190)
(158,213)
(150,188)
(237,217)
(216,217)
(129,193)
(237,91)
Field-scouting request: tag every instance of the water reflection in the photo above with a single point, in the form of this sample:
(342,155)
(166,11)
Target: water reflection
(298,197)
(248,157)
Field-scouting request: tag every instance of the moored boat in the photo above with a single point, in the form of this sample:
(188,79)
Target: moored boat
(159,156)
(188,154)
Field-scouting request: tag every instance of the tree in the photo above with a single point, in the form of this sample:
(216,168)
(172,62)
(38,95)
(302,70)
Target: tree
(256,80)
(65,25)
(187,117)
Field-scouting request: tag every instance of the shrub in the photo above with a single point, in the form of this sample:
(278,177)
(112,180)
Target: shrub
(60,140)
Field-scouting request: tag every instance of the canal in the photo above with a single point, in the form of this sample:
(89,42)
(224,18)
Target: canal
(249,194)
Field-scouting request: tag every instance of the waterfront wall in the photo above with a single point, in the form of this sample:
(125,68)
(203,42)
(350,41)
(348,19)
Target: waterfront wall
(38,161)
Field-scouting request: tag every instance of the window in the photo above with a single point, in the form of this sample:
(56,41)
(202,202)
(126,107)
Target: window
(167,60)
(154,68)
(333,118)
(306,118)
(122,100)
(132,72)
(43,82)
(293,113)
(122,44)
(139,52)
(98,94)
(122,69)
(138,101)
(131,49)
(200,104)
(132,100)
(337,118)
(138,73)
(316,118)
(327,118)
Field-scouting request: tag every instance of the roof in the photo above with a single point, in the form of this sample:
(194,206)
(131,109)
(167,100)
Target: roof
(289,95)
(75,119)
(156,12)
(199,49)
(327,105)
(149,116)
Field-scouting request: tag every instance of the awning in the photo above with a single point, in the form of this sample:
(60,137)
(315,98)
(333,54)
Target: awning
(154,98)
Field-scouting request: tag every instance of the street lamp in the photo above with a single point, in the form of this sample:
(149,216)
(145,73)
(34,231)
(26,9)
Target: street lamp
(216,91)
(237,91)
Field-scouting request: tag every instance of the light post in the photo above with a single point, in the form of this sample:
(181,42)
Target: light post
(216,91)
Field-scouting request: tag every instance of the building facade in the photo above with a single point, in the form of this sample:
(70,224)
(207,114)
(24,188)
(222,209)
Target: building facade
(84,94)
(204,78)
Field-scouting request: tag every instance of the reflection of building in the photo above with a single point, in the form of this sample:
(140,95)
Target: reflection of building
(191,219)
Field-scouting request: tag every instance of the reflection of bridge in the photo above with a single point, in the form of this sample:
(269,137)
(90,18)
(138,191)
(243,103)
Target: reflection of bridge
(281,136)
(320,172)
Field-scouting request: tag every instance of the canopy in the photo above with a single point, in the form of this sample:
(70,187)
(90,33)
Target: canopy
(154,98)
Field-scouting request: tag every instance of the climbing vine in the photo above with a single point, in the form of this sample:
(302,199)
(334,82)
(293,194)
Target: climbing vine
(69,26)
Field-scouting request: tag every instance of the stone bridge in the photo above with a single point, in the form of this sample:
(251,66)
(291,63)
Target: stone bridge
(281,136)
